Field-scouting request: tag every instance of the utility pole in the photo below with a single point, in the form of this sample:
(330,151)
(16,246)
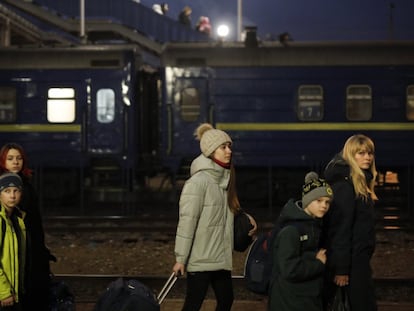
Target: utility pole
(239,19)
(391,21)
(82,33)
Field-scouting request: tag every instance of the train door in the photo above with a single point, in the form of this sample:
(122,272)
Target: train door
(104,128)
(189,104)
(106,138)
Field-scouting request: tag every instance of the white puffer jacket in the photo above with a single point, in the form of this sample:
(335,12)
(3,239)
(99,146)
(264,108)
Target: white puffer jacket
(204,240)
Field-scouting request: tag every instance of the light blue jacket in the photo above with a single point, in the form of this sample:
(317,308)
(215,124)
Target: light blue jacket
(204,240)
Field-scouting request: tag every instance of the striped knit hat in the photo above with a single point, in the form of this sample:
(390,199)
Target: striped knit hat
(314,188)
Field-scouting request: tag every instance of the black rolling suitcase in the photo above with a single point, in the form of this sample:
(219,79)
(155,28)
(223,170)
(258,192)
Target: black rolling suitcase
(132,295)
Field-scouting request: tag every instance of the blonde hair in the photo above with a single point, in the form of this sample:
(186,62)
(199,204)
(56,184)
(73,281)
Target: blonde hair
(187,10)
(352,146)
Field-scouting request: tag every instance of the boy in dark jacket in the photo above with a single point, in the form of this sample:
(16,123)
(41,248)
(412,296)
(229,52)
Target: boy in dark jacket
(298,263)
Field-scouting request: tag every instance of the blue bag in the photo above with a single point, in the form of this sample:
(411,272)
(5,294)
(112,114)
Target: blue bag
(259,261)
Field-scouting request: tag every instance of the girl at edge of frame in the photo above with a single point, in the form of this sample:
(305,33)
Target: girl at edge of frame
(37,274)
(13,243)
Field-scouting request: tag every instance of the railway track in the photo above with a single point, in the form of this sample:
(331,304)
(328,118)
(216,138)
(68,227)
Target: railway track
(396,292)
(87,288)
(169,224)
(109,223)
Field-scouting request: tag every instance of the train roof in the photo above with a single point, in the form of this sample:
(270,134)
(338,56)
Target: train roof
(76,57)
(59,41)
(35,29)
(226,54)
(60,22)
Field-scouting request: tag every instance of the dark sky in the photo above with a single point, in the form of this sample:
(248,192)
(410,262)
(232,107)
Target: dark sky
(309,20)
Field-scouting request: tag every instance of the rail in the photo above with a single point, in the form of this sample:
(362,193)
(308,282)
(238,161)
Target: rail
(167,223)
(87,288)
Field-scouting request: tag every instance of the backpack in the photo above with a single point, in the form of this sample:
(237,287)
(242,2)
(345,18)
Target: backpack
(242,226)
(127,295)
(259,261)
(61,297)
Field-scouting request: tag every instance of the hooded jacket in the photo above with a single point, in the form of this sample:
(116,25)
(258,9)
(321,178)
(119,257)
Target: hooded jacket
(349,225)
(297,275)
(12,254)
(204,239)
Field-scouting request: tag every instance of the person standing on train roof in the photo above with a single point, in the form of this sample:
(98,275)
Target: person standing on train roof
(185,16)
(161,9)
(13,159)
(204,238)
(13,243)
(204,25)
(349,226)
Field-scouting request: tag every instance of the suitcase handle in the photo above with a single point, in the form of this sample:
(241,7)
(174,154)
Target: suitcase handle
(167,287)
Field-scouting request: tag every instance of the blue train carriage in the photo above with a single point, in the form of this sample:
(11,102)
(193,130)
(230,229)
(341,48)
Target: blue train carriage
(290,108)
(75,112)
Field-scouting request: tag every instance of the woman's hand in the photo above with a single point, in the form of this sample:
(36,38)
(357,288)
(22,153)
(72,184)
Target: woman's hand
(179,269)
(341,280)
(253,231)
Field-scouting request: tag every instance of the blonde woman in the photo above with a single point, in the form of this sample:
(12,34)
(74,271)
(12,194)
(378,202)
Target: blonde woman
(349,226)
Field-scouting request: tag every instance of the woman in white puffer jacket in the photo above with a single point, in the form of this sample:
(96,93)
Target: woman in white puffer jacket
(204,239)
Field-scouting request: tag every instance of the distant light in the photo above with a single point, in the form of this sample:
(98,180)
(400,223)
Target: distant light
(391,217)
(223,31)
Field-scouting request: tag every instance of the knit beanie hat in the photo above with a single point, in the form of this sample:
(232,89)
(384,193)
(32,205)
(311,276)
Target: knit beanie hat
(210,138)
(10,180)
(314,188)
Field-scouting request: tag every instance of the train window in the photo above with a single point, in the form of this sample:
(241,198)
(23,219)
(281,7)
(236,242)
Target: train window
(190,104)
(410,102)
(310,103)
(7,104)
(105,105)
(61,105)
(358,103)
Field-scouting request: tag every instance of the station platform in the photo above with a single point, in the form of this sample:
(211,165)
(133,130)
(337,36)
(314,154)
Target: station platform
(247,305)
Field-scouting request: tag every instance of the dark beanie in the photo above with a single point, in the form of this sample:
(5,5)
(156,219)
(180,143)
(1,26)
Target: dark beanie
(314,188)
(10,180)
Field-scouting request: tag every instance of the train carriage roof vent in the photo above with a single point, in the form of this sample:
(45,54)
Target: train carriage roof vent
(105,63)
(191,62)
(250,40)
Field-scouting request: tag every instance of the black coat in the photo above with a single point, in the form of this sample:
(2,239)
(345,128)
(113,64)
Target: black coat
(184,19)
(37,270)
(297,275)
(349,225)
(349,237)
